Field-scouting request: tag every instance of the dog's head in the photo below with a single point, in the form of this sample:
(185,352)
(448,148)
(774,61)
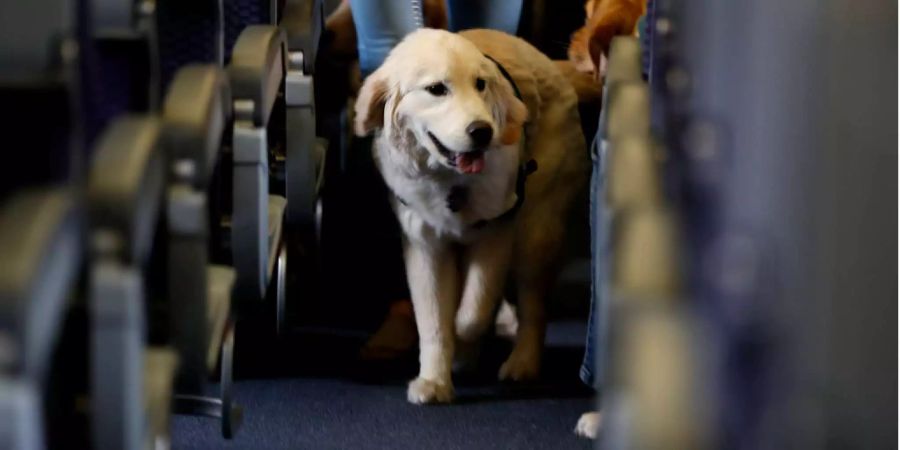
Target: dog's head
(437,93)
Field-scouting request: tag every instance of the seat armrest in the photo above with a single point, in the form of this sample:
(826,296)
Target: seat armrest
(195,114)
(219,288)
(303,21)
(628,110)
(625,60)
(22,427)
(125,184)
(40,240)
(257,69)
(624,67)
(160,366)
(28,31)
(113,17)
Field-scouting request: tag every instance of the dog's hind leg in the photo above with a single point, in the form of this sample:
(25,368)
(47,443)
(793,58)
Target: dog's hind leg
(535,266)
(433,283)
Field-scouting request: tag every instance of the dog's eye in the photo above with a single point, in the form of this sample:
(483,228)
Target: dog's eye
(479,84)
(437,89)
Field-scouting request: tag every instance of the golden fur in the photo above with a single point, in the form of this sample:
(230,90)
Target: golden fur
(605,19)
(457,273)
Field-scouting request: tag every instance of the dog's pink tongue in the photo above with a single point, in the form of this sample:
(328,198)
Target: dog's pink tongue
(471,162)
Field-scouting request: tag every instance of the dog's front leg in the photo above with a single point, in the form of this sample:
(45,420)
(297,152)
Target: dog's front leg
(486,269)
(432,275)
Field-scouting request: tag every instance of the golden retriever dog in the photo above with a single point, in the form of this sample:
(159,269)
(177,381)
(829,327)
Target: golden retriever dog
(604,20)
(456,142)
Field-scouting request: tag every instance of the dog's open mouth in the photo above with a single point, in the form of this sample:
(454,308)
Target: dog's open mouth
(466,162)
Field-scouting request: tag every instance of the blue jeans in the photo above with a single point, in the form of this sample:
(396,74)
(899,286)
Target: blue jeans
(380,25)
(593,366)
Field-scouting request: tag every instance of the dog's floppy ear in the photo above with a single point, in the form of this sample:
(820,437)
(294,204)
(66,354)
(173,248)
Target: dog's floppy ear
(370,104)
(516,115)
(516,112)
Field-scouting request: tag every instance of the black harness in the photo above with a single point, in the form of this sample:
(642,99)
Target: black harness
(525,169)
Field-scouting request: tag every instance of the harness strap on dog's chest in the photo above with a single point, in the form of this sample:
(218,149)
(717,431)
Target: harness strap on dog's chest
(505,75)
(525,169)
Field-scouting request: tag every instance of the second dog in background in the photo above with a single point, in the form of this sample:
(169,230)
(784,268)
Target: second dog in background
(605,19)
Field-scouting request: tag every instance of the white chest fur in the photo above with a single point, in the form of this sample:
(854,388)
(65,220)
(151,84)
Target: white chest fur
(424,212)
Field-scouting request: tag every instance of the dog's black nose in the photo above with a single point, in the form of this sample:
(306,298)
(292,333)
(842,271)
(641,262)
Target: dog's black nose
(480,132)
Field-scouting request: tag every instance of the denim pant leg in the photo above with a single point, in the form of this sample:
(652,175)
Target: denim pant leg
(380,25)
(502,15)
(593,367)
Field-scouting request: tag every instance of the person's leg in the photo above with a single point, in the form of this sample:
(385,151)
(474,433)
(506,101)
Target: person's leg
(396,337)
(500,15)
(593,365)
(380,25)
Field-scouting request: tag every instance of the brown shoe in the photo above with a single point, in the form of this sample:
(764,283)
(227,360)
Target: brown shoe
(396,337)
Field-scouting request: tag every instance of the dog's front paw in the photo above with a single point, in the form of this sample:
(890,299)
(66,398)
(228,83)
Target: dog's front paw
(422,391)
(520,366)
(589,424)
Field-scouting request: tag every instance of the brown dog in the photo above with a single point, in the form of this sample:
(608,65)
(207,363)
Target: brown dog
(605,20)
